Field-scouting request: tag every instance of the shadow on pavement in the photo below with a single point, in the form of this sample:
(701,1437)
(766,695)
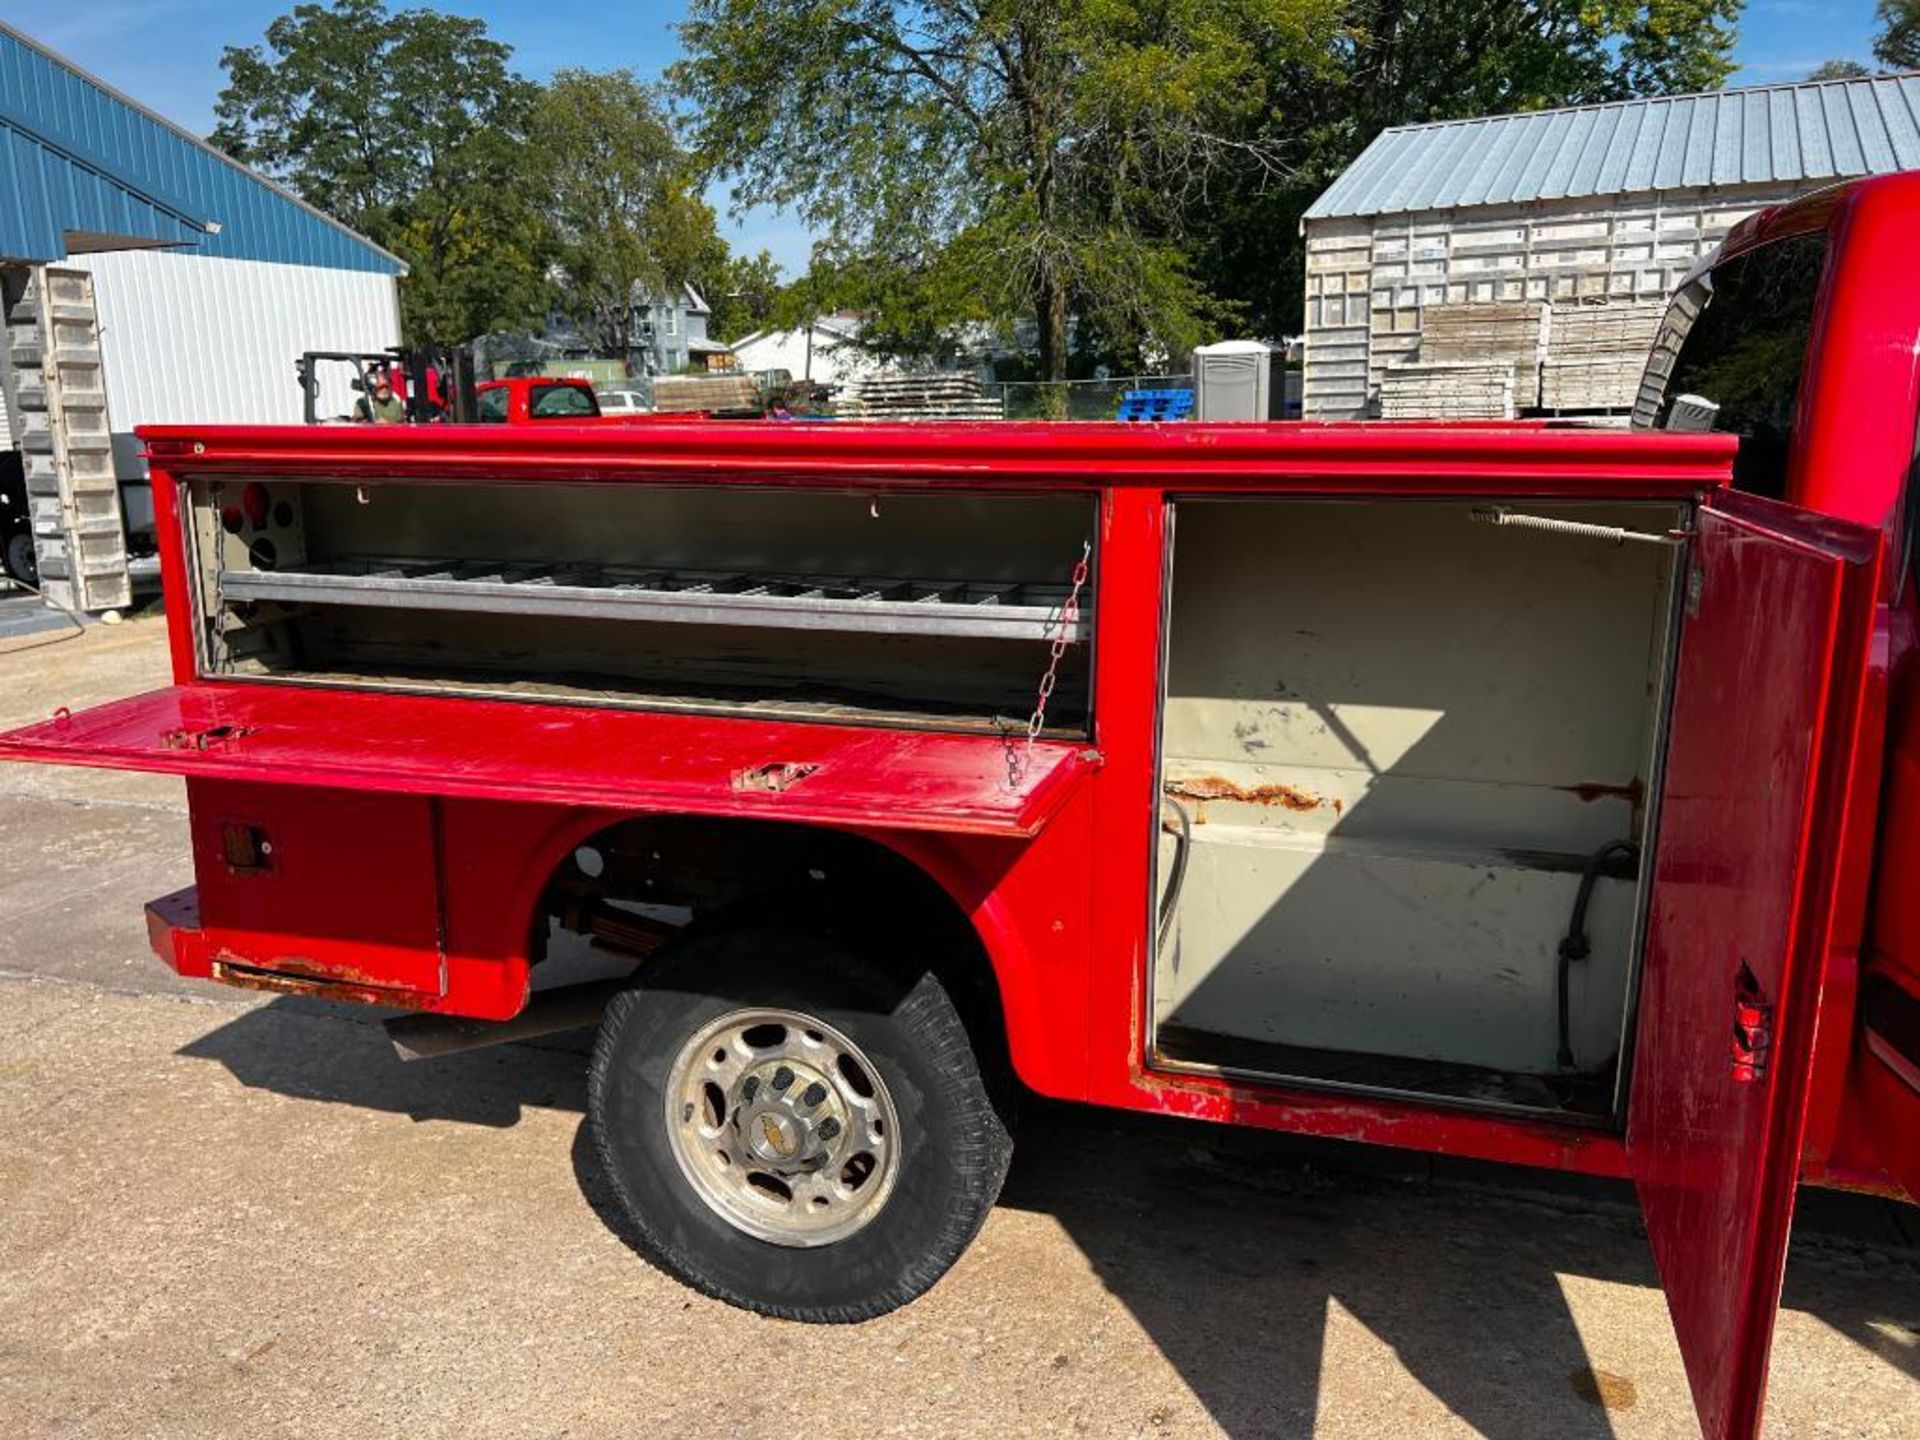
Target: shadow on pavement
(1230,1247)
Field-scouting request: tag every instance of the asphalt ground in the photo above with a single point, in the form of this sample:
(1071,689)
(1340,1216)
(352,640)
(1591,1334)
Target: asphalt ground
(222,1215)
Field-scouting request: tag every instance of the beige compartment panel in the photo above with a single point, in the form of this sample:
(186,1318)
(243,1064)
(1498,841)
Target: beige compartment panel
(1426,956)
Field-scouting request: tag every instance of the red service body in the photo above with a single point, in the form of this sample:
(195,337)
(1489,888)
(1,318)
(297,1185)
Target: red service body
(368,826)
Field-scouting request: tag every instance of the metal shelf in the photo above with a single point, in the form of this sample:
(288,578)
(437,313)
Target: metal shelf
(990,610)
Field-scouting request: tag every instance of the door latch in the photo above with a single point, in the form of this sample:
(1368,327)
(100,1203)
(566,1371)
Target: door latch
(1752,1028)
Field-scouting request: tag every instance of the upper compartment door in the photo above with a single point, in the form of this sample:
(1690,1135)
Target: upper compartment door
(1773,654)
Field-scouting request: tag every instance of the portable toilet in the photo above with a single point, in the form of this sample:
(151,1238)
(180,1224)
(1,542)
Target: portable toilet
(1233,380)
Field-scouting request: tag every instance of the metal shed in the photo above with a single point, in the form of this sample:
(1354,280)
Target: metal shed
(147,278)
(1518,263)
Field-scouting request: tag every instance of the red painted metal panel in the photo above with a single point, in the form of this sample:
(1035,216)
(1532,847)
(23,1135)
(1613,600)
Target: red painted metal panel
(1772,663)
(1377,457)
(501,750)
(344,890)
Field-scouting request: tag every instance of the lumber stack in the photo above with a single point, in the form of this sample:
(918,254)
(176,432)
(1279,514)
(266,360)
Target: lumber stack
(1513,332)
(932,396)
(1595,354)
(1447,390)
(716,394)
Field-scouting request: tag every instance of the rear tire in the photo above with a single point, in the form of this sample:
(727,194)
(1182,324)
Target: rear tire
(791,1127)
(20,561)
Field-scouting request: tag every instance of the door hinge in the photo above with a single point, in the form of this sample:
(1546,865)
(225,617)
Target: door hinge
(1752,1028)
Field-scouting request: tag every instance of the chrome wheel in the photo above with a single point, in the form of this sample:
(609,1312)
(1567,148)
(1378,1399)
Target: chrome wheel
(782,1126)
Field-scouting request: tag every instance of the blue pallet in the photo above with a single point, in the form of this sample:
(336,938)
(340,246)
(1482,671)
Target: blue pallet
(1153,406)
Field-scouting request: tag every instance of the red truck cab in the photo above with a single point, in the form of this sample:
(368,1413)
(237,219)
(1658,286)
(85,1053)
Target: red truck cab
(534,399)
(1523,792)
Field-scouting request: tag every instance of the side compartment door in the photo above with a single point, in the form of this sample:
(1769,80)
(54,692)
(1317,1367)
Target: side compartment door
(1772,659)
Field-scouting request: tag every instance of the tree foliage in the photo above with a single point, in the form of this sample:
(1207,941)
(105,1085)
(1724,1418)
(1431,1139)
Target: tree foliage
(988,160)
(1898,44)
(746,294)
(1142,166)
(624,201)
(1839,70)
(408,126)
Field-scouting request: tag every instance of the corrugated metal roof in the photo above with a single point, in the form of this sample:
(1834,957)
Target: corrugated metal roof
(78,157)
(1766,134)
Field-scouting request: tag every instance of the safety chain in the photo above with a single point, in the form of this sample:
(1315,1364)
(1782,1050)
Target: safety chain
(1020,757)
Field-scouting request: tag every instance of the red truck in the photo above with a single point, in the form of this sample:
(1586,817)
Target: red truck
(1525,792)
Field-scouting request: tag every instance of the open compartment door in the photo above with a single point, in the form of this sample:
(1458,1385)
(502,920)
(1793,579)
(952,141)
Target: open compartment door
(651,761)
(1773,654)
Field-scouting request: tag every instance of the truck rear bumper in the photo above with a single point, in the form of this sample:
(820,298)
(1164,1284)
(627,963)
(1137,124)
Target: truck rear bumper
(173,930)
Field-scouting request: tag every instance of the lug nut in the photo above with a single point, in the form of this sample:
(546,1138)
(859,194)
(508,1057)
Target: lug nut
(782,1078)
(813,1094)
(829,1128)
(751,1088)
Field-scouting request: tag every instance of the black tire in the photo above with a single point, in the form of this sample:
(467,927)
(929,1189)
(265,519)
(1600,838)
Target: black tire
(20,561)
(954,1144)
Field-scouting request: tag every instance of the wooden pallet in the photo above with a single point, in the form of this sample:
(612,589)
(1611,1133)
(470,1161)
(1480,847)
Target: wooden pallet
(1514,332)
(933,396)
(1448,390)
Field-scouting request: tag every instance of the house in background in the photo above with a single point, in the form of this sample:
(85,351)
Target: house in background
(669,333)
(827,351)
(1519,263)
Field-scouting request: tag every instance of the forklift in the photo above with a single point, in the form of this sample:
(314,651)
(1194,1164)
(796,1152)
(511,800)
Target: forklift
(436,382)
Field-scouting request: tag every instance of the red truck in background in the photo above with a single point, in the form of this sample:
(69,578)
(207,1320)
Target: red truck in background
(1524,792)
(525,399)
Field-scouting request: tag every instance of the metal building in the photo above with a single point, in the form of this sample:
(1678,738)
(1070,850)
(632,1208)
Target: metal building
(1518,263)
(147,278)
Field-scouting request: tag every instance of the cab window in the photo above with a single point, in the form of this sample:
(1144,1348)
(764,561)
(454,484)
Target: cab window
(490,406)
(1738,337)
(561,402)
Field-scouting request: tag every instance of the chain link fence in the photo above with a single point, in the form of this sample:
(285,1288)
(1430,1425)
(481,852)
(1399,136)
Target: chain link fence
(1075,399)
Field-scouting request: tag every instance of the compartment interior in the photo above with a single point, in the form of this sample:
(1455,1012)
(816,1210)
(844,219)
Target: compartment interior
(924,607)
(1402,738)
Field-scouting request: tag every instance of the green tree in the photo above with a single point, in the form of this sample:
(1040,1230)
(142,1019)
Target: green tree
(408,126)
(1898,44)
(1839,70)
(995,160)
(624,200)
(746,294)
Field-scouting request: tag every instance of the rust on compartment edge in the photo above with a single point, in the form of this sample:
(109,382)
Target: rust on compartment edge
(1214,787)
(337,983)
(1634,792)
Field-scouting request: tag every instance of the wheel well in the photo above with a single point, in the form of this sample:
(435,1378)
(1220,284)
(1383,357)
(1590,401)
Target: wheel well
(725,871)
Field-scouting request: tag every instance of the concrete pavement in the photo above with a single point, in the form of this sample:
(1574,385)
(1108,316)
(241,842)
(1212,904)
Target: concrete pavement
(227,1216)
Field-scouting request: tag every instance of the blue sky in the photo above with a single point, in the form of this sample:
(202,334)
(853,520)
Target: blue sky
(166,53)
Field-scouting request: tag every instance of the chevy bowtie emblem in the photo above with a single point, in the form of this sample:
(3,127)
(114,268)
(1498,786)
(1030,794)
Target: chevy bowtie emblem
(776,1142)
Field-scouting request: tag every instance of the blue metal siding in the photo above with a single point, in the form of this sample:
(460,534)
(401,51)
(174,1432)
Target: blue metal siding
(1769,134)
(75,155)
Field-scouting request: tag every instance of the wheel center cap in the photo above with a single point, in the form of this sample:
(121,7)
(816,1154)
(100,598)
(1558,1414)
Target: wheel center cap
(774,1136)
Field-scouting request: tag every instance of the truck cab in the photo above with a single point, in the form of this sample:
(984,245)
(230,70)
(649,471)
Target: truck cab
(532,399)
(1520,792)
(1802,330)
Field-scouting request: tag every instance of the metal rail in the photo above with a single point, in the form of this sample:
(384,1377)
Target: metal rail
(990,610)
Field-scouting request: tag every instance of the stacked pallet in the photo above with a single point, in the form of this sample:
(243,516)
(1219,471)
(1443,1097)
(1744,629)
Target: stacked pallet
(1447,390)
(1513,332)
(932,396)
(714,394)
(1596,353)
